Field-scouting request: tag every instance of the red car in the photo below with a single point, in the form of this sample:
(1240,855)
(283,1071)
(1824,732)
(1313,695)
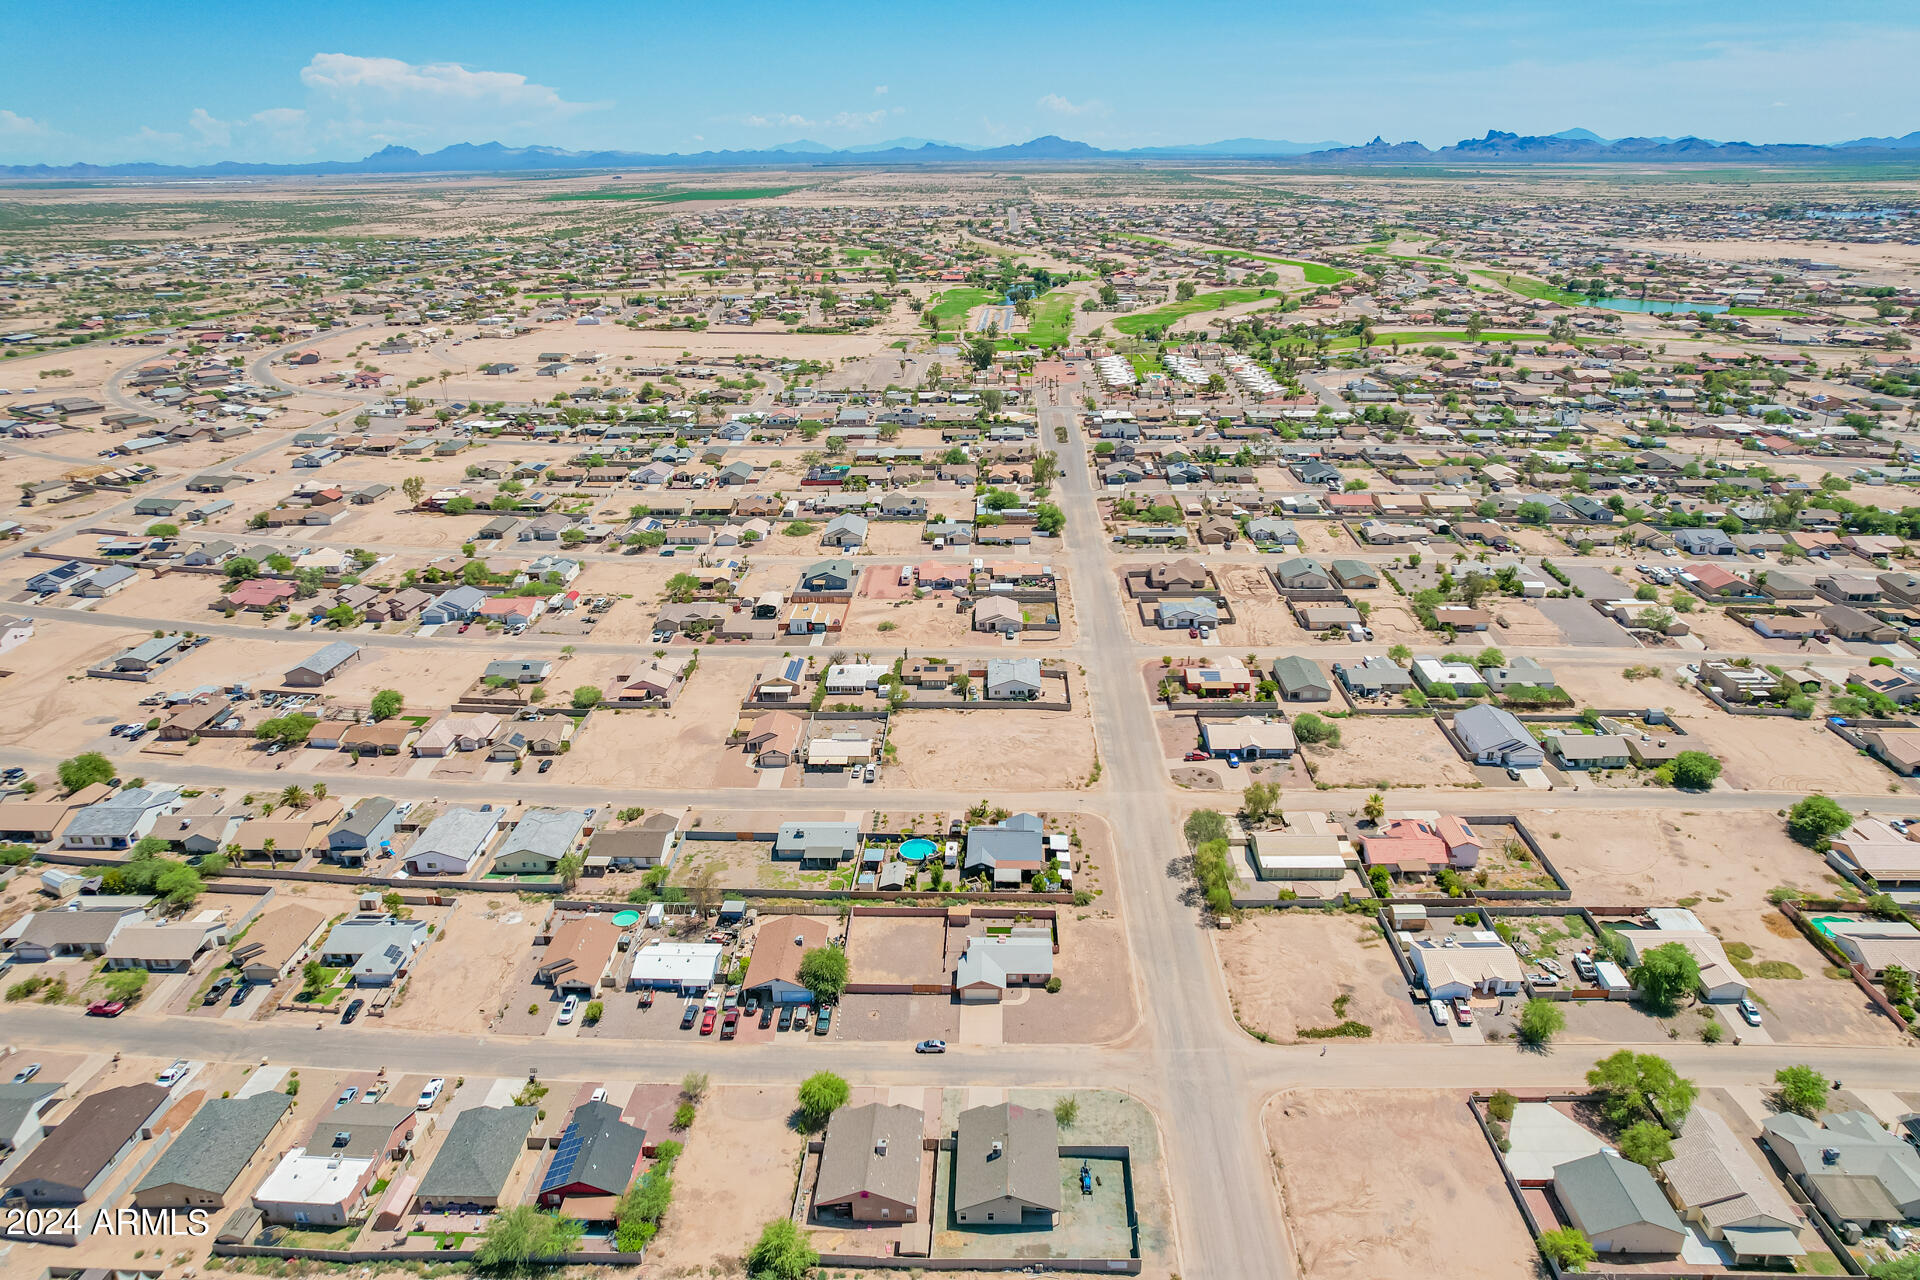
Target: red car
(106,1008)
(1193,633)
(646,997)
(1198,755)
(706,1022)
(730,1025)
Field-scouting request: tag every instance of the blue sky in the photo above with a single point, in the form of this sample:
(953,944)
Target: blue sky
(218,80)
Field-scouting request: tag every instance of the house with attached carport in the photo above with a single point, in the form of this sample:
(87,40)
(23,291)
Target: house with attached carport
(1009,851)
(1853,1167)
(1301,680)
(277,942)
(1718,1186)
(580,957)
(1248,738)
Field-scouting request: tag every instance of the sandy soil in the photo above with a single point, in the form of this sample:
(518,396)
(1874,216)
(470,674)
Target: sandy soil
(1648,859)
(738,1172)
(993,750)
(1789,755)
(1285,969)
(661,748)
(473,957)
(1367,1218)
(1403,753)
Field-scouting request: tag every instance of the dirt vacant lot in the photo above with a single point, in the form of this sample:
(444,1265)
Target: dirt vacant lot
(1775,753)
(1285,970)
(993,750)
(1358,1219)
(1403,753)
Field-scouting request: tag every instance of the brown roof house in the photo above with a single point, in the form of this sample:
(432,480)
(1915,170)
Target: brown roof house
(870,1164)
(72,1162)
(579,960)
(774,739)
(277,942)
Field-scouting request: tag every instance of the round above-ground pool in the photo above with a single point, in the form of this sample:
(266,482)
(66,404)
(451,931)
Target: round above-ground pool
(917,850)
(627,919)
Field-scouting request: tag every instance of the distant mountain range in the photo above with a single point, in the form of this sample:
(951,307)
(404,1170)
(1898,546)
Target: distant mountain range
(494,157)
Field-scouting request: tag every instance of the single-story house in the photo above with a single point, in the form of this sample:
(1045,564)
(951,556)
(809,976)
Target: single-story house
(1006,1166)
(870,1163)
(200,1168)
(1617,1205)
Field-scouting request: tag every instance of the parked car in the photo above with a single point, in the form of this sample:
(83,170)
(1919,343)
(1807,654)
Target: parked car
(1750,1011)
(730,1025)
(1544,980)
(546,765)
(354,1006)
(1437,1009)
(26,1073)
(240,993)
(173,1075)
(931,1046)
(687,1016)
(221,985)
(824,1022)
(786,1017)
(106,1008)
(568,1008)
(800,1017)
(347,1095)
(707,1020)
(430,1094)
(1553,967)
(1193,756)
(766,1016)
(646,997)
(1463,1011)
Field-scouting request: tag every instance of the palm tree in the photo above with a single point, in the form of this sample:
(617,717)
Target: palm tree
(294,797)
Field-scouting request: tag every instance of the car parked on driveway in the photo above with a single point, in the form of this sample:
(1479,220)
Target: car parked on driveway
(707,1020)
(730,1025)
(568,1008)
(430,1094)
(1750,1011)
(825,1021)
(786,1017)
(173,1075)
(688,1015)
(26,1073)
(354,1006)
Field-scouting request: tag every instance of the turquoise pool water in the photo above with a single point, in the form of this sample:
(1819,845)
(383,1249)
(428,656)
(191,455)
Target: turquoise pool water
(1653,307)
(917,850)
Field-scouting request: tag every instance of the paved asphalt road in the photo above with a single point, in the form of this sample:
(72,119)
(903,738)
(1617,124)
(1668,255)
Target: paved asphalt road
(1185,1057)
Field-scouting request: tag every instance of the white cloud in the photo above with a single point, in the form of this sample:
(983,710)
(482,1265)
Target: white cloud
(1054,102)
(13,125)
(838,120)
(350,77)
(880,90)
(211,132)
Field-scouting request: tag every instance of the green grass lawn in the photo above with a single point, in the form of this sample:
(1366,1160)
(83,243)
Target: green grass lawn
(1763,311)
(1528,287)
(1141,321)
(1145,362)
(1315,272)
(950,308)
(1051,321)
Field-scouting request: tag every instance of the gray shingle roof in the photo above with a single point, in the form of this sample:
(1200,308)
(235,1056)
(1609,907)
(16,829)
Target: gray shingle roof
(1612,1193)
(217,1143)
(1027,1166)
(478,1154)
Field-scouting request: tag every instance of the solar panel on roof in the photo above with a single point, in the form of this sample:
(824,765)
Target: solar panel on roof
(561,1170)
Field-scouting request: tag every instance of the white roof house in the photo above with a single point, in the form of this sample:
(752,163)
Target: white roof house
(1466,964)
(678,966)
(312,1189)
